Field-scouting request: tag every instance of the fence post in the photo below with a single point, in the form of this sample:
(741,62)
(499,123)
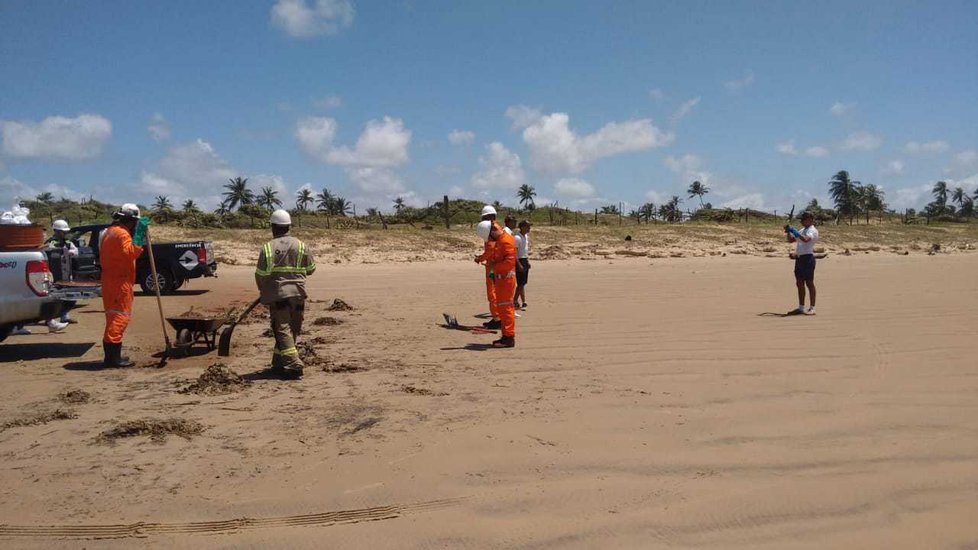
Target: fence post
(448,223)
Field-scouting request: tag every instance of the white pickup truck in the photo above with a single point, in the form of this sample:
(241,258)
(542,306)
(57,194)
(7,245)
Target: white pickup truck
(27,291)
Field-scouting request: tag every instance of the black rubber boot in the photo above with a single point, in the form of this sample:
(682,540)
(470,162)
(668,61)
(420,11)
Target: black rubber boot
(495,324)
(113,356)
(505,342)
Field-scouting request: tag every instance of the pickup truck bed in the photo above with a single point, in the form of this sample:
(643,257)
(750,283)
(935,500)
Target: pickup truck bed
(176,262)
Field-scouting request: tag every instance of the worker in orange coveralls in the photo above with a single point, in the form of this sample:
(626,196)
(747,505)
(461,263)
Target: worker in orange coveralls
(503,264)
(489,214)
(117,255)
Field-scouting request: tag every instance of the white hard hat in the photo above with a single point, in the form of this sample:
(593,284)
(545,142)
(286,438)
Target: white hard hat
(484,229)
(60,225)
(281,217)
(128,210)
(488,211)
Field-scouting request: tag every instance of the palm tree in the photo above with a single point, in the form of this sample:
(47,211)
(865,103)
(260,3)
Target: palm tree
(237,193)
(303,198)
(341,206)
(697,189)
(324,200)
(162,206)
(872,199)
(959,196)
(398,205)
(46,198)
(526,194)
(190,207)
(647,211)
(670,211)
(844,192)
(940,193)
(268,198)
(223,209)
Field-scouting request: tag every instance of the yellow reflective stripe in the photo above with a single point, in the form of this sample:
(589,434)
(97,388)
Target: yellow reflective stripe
(310,267)
(287,351)
(288,270)
(267,249)
(302,253)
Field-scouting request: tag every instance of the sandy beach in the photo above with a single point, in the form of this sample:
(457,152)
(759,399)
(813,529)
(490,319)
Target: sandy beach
(648,403)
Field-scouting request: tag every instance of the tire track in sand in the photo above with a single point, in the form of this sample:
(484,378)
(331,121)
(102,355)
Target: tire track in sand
(144,529)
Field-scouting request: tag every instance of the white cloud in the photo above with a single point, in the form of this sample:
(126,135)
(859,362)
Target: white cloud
(461,137)
(523,116)
(738,85)
(689,167)
(937,146)
(787,148)
(501,169)
(656,197)
(861,141)
(159,128)
(328,102)
(965,162)
(56,137)
(840,109)
(574,188)
(753,201)
(12,191)
(555,148)
(455,191)
(304,19)
(189,170)
(447,170)
(893,168)
(315,136)
(816,151)
(277,183)
(685,109)
(376,180)
(383,143)
(910,197)
(657,94)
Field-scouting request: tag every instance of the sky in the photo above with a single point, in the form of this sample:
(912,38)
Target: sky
(591,103)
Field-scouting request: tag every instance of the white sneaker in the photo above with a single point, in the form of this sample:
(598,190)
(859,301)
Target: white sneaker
(21,331)
(811,311)
(56,326)
(517,315)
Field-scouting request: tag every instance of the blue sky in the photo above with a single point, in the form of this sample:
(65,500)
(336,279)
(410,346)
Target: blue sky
(589,102)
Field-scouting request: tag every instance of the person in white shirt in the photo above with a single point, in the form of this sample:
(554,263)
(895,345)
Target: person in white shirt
(522,262)
(804,261)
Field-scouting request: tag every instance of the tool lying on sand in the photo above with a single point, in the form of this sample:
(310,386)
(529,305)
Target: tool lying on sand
(224,344)
(452,323)
(159,302)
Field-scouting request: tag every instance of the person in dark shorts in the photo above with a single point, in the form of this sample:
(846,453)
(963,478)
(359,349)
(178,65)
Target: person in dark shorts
(522,262)
(804,261)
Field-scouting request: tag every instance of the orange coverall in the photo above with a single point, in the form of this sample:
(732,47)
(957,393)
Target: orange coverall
(118,256)
(503,262)
(486,259)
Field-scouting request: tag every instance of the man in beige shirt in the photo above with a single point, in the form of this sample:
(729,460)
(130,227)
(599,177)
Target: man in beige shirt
(283,265)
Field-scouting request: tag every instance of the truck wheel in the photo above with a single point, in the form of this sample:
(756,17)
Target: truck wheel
(164,278)
(5,331)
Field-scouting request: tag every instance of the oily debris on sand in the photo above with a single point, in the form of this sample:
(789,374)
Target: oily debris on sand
(74,397)
(309,355)
(156,428)
(193,313)
(421,391)
(39,418)
(339,305)
(352,418)
(327,321)
(217,379)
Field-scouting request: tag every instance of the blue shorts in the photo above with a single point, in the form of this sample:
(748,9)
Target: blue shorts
(805,267)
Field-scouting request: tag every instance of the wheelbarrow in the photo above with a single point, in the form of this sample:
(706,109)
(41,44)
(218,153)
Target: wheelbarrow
(191,331)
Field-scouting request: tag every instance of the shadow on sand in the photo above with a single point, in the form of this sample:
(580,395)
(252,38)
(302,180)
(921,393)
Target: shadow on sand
(10,353)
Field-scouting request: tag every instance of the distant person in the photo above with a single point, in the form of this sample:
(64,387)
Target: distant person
(283,266)
(502,260)
(489,215)
(63,250)
(522,262)
(117,254)
(804,261)
(510,226)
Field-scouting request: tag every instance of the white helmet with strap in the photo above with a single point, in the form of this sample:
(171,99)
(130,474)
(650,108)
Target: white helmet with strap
(281,217)
(60,225)
(488,210)
(127,210)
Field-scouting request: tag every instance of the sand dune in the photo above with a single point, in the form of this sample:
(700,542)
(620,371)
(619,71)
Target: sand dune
(649,403)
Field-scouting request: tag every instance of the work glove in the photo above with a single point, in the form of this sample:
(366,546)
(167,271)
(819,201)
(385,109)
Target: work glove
(794,232)
(139,235)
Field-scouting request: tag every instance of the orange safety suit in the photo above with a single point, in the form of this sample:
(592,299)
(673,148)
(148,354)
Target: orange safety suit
(118,256)
(503,262)
(486,259)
